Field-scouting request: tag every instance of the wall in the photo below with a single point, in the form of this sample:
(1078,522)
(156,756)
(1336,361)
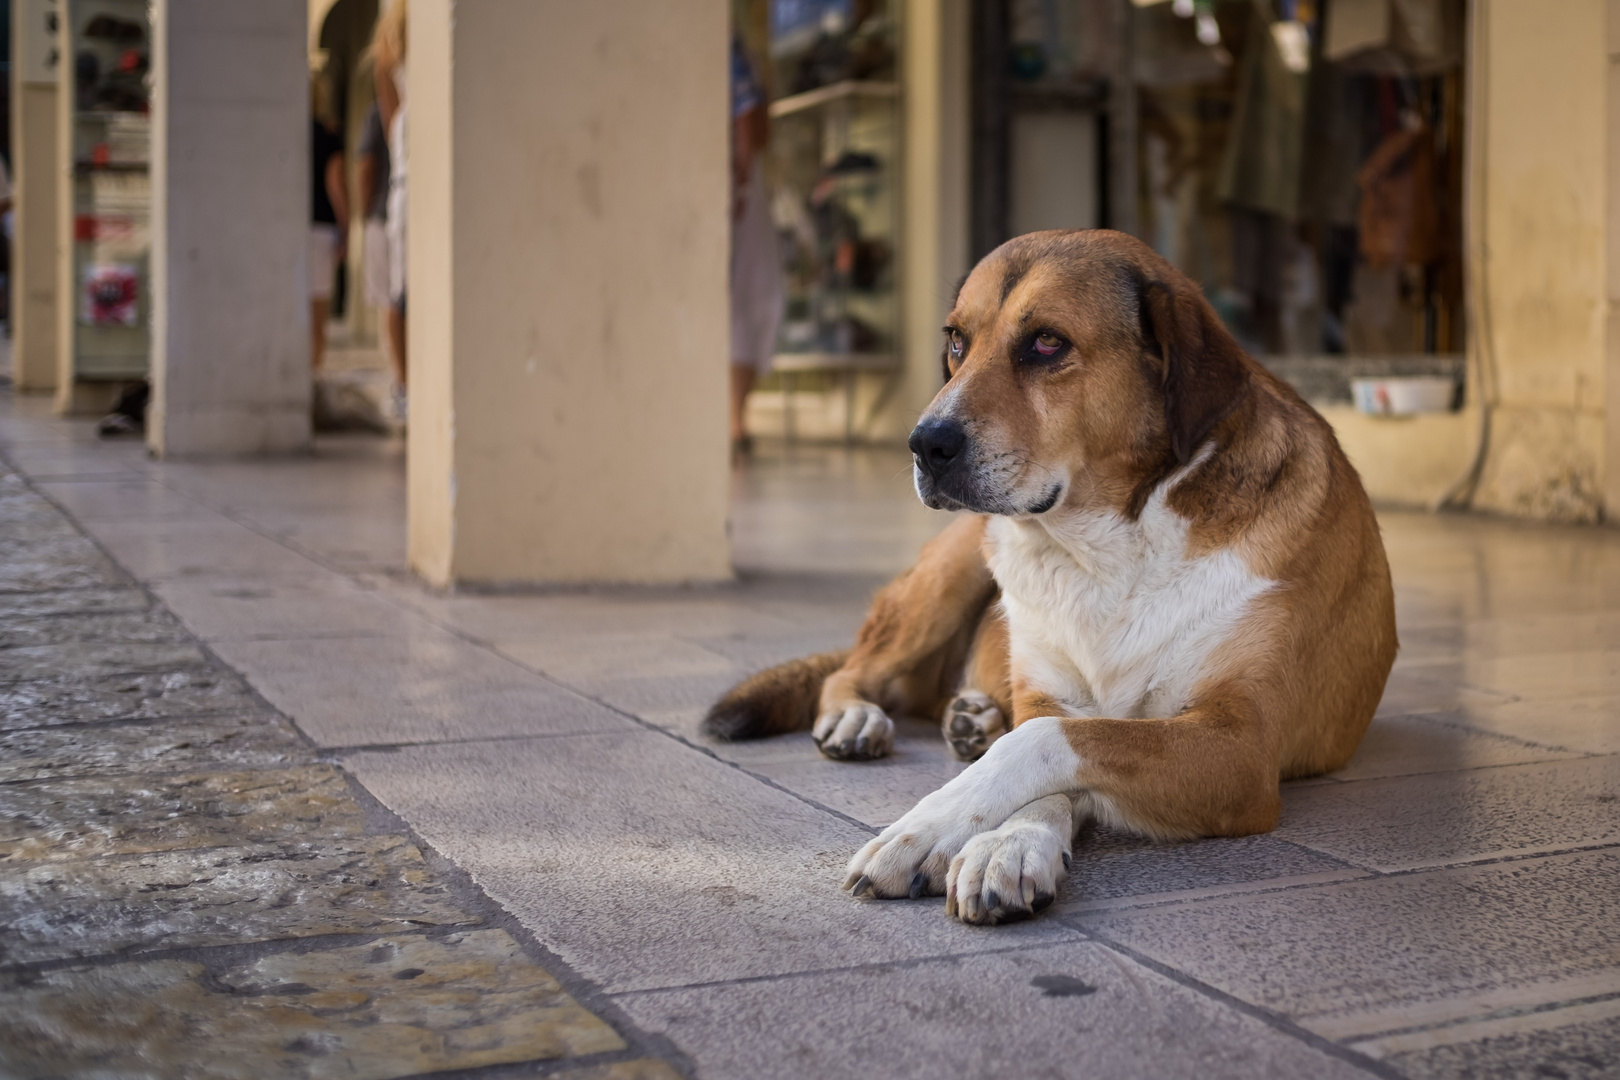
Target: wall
(230,227)
(568,254)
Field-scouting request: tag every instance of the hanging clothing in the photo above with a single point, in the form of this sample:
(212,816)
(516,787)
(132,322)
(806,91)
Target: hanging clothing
(1261,168)
(1395,37)
(1400,218)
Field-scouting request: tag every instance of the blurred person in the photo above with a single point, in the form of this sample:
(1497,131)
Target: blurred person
(373,166)
(756,262)
(388,52)
(329,219)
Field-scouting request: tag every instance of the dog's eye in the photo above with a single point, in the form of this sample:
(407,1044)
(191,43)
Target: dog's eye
(955,342)
(1045,346)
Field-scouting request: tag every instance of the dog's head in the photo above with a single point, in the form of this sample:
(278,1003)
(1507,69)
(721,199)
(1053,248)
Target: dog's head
(1080,367)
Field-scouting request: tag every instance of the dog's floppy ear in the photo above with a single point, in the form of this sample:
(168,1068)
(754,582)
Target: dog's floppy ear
(1203,374)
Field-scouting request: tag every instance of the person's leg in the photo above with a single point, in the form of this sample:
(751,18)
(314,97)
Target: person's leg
(396,342)
(319,311)
(743,377)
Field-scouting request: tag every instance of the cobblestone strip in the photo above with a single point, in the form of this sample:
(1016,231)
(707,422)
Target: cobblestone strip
(187,891)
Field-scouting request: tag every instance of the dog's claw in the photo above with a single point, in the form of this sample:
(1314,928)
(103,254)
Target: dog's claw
(864,885)
(1068,860)
(1043,900)
(919,882)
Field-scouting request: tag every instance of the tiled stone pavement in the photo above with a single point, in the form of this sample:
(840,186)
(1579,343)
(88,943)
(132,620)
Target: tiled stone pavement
(1446,906)
(186,890)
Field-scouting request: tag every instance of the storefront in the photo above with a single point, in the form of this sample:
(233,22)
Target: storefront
(1306,161)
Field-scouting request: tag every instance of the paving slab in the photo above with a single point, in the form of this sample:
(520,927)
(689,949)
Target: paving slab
(65,563)
(55,820)
(160,550)
(1527,635)
(1112,866)
(1402,823)
(1363,958)
(1587,724)
(19,609)
(217,610)
(170,745)
(503,619)
(221,896)
(424,686)
(30,630)
(1433,743)
(93,658)
(126,498)
(1575,1043)
(643,863)
(74,699)
(1059,1011)
(394,1007)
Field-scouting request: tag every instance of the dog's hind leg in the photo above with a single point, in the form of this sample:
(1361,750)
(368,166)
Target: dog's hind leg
(912,647)
(980,711)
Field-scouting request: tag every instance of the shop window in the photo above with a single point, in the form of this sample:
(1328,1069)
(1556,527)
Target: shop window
(108,145)
(1301,159)
(829,70)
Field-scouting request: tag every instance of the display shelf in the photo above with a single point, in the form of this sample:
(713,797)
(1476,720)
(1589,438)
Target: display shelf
(825,95)
(106,139)
(833,361)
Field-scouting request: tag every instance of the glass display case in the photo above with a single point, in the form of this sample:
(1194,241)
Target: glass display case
(830,75)
(106,87)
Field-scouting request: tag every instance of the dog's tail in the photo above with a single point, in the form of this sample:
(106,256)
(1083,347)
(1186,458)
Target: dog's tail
(775,701)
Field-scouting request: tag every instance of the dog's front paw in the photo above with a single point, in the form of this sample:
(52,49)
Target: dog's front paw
(972,723)
(856,732)
(912,856)
(1007,874)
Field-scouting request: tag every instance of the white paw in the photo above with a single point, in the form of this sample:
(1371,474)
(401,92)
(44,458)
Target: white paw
(912,856)
(972,722)
(854,733)
(1006,874)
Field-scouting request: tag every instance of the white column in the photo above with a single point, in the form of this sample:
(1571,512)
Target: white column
(567,290)
(230,225)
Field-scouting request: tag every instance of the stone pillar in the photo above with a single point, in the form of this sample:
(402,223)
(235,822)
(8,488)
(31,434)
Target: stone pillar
(1540,242)
(230,227)
(1611,373)
(34,177)
(567,281)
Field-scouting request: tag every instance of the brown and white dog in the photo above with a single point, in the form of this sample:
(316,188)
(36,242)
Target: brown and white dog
(1168,578)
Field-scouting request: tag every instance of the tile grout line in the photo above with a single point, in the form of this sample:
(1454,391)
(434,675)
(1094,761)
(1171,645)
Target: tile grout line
(1274,1020)
(1506,1013)
(1080,938)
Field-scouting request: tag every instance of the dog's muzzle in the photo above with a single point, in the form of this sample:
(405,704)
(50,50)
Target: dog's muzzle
(939,450)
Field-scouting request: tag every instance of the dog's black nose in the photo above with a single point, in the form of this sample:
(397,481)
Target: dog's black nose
(937,444)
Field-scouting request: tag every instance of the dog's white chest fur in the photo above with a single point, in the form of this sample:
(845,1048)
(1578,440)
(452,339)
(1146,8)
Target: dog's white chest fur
(1109,616)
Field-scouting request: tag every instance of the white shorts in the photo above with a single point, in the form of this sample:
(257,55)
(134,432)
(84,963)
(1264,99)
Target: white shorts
(377,267)
(322,260)
(396,242)
(756,279)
